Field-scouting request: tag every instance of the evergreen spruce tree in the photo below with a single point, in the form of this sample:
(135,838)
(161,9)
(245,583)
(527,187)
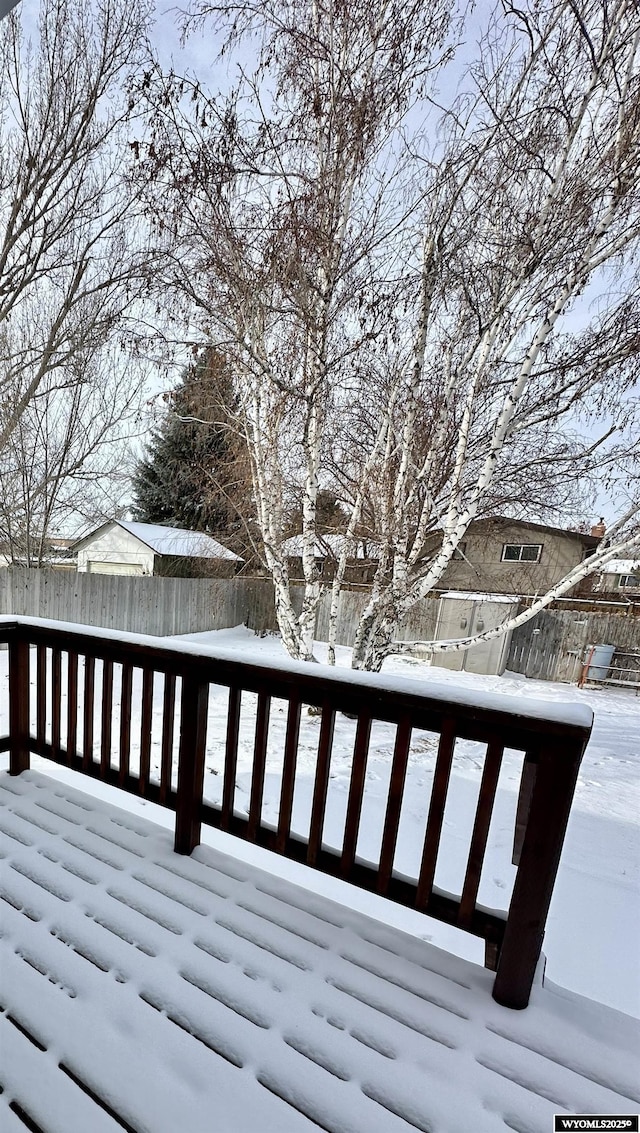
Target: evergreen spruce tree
(189,475)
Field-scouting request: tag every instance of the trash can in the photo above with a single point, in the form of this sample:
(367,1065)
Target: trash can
(600,662)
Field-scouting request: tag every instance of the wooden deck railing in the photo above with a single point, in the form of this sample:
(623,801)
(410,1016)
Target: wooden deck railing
(553,751)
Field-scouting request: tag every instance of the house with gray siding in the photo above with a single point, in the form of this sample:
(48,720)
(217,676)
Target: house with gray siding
(497,555)
(621,576)
(513,556)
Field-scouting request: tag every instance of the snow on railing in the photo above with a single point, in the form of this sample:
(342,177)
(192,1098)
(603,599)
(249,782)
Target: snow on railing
(63,706)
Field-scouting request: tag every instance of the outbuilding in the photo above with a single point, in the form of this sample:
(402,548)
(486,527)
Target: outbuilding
(123,547)
(464,614)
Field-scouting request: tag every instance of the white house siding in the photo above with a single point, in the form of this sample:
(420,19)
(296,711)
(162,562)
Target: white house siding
(116,548)
(114,568)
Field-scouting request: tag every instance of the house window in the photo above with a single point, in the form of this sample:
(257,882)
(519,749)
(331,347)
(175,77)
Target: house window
(460,552)
(521,552)
(629,580)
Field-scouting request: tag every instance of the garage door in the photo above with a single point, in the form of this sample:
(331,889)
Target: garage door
(113,568)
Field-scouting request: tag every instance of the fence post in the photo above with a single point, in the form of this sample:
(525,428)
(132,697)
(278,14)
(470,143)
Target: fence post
(19,751)
(193,734)
(551,798)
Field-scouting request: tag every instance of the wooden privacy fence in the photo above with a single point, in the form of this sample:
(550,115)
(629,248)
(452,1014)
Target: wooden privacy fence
(53,679)
(553,645)
(166,606)
(159,606)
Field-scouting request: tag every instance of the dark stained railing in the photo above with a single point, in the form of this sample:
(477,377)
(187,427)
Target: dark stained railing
(553,751)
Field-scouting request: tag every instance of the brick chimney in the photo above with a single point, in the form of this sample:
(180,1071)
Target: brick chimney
(599,529)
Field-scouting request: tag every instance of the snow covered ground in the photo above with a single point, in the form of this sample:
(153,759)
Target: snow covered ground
(594,924)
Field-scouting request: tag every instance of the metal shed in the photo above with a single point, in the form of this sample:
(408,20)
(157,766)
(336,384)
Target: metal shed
(462,614)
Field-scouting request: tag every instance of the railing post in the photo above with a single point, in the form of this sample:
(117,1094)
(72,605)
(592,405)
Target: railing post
(551,798)
(191,752)
(19,751)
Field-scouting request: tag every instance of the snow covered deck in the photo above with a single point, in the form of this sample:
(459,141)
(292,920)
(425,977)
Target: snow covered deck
(147,991)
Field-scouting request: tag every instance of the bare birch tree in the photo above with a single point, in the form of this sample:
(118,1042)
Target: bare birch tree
(272,206)
(534,197)
(72,256)
(433,306)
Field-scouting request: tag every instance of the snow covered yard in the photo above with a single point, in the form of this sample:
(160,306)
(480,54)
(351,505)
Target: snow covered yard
(151,992)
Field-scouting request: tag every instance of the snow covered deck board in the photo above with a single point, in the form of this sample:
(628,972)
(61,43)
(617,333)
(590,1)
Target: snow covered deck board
(152,992)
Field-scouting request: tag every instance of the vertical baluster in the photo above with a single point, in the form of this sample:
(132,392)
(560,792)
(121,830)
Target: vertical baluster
(288,773)
(145,730)
(19,752)
(107,709)
(356,792)
(72,706)
(87,712)
(321,784)
(125,722)
(259,764)
(527,783)
(41,694)
(56,699)
(484,810)
(436,812)
(193,738)
(166,755)
(394,804)
(230,757)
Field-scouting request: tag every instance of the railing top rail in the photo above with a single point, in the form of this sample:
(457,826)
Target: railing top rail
(479,714)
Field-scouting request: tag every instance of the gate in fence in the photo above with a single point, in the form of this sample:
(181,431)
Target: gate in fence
(552,646)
